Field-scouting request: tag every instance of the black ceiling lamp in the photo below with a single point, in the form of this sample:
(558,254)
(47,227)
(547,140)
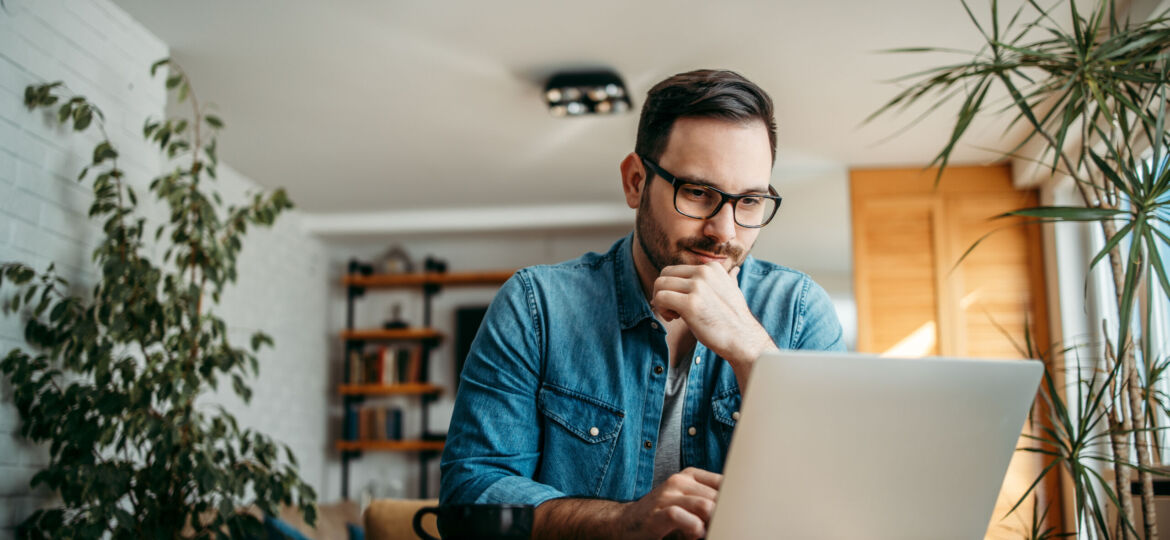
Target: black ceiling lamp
(586,92)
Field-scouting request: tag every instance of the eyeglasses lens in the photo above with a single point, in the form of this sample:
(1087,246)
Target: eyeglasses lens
(699,201)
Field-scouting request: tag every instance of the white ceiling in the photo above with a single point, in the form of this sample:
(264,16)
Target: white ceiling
(380,106)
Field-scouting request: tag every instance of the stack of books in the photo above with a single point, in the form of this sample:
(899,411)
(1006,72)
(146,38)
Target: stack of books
(386,365)
(373,423)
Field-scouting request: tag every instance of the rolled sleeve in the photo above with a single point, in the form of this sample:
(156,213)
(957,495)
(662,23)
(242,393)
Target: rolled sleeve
(493,443)
(517,490)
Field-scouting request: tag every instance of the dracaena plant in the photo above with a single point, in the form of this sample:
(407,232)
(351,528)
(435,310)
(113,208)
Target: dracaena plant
(111,377)
(1092,93)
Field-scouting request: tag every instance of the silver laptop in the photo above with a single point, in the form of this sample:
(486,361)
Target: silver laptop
(835,445)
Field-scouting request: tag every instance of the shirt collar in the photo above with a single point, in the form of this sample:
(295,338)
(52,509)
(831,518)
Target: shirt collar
(632,305)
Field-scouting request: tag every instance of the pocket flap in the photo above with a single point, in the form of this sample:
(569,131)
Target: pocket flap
(588,418)
(725,406)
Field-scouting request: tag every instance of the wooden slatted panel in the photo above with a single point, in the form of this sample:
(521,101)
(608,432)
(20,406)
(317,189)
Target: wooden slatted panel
(893,236)
(908,235)
(995,283)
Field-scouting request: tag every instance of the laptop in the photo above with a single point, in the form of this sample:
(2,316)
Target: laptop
(836,445)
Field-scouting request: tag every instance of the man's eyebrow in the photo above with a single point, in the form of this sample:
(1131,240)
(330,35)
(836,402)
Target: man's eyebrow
(708,183)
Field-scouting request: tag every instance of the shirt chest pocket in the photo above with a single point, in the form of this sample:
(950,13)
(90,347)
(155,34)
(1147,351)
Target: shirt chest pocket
(580,436)
(725,411)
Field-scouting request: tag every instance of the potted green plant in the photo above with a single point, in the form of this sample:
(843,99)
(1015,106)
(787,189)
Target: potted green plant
(110,379)
(1092,94)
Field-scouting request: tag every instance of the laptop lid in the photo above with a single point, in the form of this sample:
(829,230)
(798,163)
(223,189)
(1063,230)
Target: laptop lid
(836,445)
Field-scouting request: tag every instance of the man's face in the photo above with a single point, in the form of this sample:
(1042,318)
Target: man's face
(733,157)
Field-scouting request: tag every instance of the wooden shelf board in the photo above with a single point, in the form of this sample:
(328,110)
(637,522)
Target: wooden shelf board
(390,281)
(390,446)
(389,389)
(378,334)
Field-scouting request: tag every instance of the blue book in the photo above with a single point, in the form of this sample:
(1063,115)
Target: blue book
(394,424)
(351,422)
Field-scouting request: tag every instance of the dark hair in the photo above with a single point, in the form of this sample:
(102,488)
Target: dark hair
(705,93)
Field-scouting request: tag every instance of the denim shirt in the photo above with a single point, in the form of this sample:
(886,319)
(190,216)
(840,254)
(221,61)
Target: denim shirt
(562,392)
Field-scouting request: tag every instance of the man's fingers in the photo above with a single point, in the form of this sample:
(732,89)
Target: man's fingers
(686,483)
(674,283)
(702,507)
(706,478)
(698,489)
(680,270)
(685,522)
(673,301)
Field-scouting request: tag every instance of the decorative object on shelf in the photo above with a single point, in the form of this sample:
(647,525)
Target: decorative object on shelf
(435,265)
(397,261)
(395,322)
(1093,97)
(110,381)
(360,268)
(586,92)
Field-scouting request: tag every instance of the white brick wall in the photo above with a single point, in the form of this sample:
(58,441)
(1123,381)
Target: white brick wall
(282,290)
(103,54)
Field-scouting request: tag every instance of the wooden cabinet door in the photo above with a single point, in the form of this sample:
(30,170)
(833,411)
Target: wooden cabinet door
(914,300)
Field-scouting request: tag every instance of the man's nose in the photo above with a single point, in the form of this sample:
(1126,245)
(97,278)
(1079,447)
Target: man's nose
(721,226)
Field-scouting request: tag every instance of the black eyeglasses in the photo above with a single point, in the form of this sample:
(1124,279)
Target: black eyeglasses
(699,201)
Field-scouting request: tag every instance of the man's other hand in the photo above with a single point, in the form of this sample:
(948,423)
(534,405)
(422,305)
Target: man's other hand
(679,507)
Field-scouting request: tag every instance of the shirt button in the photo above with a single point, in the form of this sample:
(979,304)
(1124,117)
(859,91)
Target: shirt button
(594,431)
(735,415)
(648,445)
(692,431)
(658,370)
(698,360)
(654,325)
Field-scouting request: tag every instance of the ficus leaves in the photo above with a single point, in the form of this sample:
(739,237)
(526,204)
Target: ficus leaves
(109,377)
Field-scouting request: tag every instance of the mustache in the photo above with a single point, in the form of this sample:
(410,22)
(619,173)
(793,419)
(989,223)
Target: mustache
(703,243)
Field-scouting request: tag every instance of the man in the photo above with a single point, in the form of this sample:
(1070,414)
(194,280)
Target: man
(605,389)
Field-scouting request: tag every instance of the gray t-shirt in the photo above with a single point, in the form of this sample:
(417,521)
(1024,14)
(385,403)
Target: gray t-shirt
(668,456)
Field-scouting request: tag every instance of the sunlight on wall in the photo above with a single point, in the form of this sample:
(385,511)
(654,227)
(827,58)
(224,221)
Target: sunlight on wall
(918,344)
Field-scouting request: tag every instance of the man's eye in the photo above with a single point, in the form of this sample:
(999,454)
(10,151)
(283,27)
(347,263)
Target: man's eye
(696,193)
(751,201)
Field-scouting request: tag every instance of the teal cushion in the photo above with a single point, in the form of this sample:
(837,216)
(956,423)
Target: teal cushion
(279,529)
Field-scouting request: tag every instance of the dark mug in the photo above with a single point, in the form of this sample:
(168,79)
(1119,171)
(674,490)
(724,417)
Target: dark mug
(478,521)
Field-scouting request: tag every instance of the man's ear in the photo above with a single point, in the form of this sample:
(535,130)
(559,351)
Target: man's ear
(633,179)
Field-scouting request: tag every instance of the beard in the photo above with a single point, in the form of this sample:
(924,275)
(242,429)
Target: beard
(661,254)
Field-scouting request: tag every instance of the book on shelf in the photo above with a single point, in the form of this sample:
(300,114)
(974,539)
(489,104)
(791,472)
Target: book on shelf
(350,429)
(414,365)
(364,424)
(386,365)
(378,426)
(393,424)
(374,424)
(353,367)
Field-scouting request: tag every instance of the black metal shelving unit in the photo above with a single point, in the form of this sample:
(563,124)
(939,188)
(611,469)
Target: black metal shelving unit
(355,340)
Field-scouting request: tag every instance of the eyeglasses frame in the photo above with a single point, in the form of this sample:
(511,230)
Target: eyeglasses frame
(724,196)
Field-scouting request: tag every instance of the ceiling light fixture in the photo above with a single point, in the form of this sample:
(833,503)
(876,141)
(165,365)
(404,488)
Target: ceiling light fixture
(586,92)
